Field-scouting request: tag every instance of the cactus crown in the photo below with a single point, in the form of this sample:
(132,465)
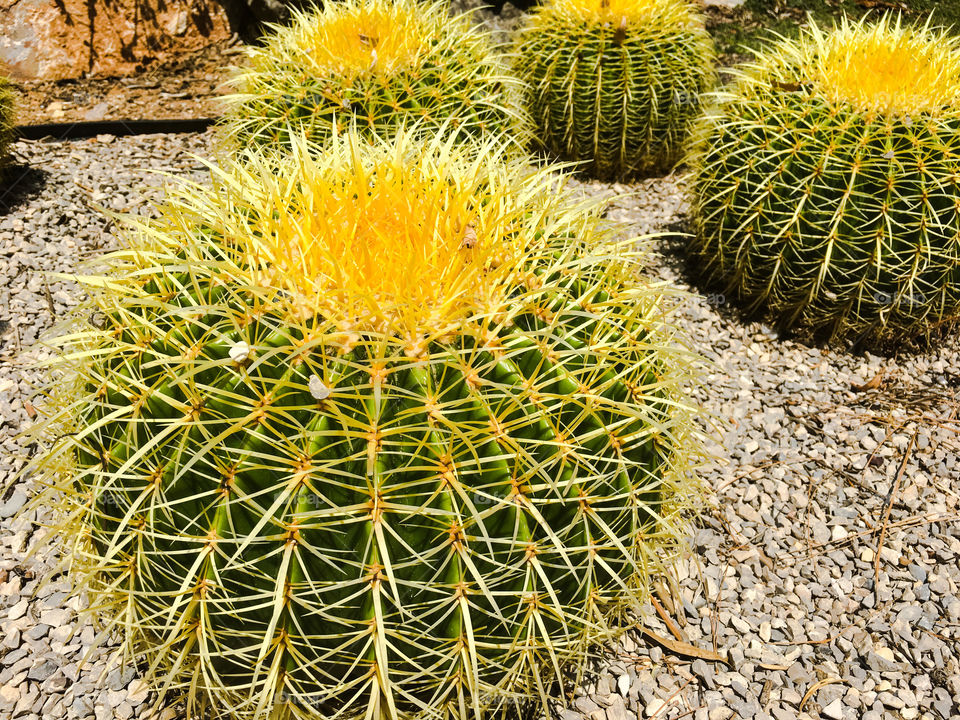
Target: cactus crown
(395,246)
(886,68)
(355,38)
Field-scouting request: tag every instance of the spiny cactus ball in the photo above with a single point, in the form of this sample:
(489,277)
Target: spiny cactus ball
(389,433)
(6,120)
(827,183)
(615,83)
(381,64)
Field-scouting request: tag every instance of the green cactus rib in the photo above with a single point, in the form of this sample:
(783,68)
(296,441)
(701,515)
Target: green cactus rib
(841,223)
(454,81)
(286,515)
(6,120)
(619,95)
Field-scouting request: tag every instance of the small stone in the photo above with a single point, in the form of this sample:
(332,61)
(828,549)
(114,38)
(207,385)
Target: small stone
(43,671)
(617,709)
(585,705)
(9,696)
(17,611)
(890,700)
(834,710)
(704,671)
(12,506)
(884,652)
(97,112)
(820,532)
(137,692)
(56,618)
(721,712)
(654,707)
(38,631)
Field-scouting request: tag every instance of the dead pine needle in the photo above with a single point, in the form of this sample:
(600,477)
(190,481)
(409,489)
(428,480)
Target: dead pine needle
(816,686)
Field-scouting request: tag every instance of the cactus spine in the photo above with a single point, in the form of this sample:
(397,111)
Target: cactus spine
(827,183)
(381,64)
(390,432)
(615,83)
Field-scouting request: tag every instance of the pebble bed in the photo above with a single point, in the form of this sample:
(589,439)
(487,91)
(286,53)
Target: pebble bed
(825,575)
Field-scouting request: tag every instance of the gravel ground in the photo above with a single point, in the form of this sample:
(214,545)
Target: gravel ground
(826,577)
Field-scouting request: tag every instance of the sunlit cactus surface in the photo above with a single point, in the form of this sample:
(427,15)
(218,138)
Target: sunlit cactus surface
(827,183)
(615,84)
(388,433)
(6,121)
(378,64)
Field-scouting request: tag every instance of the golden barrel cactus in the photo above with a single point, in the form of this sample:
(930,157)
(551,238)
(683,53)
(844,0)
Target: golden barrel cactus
(378,65)
(392,432)
(615,84)
(827,183)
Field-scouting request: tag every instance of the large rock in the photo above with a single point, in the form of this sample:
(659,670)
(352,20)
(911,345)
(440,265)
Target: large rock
(58,39)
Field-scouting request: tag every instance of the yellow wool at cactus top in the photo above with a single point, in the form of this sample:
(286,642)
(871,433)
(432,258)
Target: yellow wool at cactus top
(886,69)
(368,37)
(394,247)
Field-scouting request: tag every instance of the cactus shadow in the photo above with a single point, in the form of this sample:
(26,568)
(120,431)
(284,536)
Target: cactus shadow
(18,183)
(672,247)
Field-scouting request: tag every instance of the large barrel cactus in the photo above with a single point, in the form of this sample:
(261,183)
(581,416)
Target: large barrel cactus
(6,121)
(615,84)
(827,183)
(389,433)
(381,64)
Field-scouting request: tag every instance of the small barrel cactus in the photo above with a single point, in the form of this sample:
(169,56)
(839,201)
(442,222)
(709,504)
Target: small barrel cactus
(827,183)
(615,84)
(390,432)
(6,120)
(381,64)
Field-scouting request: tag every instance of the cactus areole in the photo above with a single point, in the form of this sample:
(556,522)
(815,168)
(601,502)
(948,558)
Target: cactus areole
(827,183)
(391,433)
(615,84)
